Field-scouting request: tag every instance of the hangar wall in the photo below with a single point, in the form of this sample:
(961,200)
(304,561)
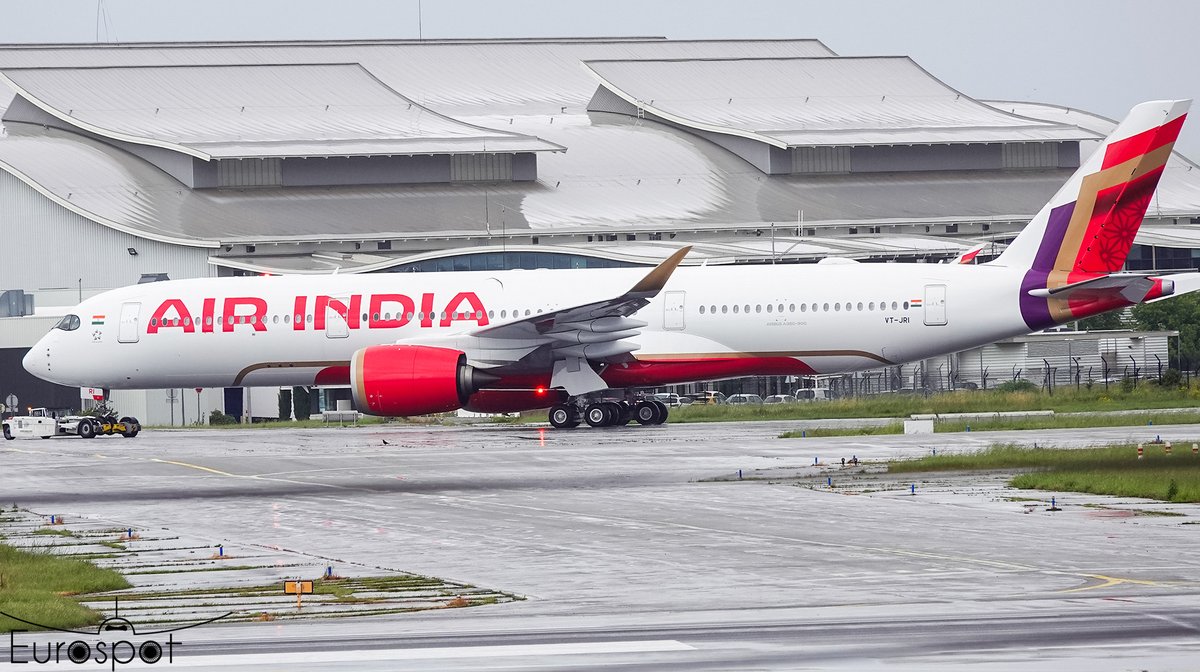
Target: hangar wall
(51,252)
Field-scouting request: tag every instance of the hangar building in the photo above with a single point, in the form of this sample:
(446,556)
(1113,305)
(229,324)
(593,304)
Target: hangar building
(128,163)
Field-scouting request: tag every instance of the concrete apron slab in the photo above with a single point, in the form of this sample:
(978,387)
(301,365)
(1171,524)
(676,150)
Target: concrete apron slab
(181,579)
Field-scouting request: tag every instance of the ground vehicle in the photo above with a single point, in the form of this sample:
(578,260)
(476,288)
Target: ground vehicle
(780,399)
(708,397)
(744,399)
(671,400)
(812,394)
(41,423)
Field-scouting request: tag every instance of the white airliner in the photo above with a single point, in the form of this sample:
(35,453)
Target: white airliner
(409,344)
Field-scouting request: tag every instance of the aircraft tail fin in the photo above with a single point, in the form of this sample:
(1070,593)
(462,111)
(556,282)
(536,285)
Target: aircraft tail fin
(1088,227)
(1090,223)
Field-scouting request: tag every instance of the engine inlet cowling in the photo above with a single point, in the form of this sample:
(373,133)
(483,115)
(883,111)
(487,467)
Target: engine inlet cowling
(404,380)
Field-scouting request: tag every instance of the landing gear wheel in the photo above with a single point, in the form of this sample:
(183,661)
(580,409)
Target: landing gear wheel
(622,413)
(564,416)
(86,429)
(645,412)
(597,415)
(663,411)
(132,427)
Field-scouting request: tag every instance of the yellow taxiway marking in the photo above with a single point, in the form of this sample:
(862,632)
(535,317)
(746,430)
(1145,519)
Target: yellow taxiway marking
(253,477)
(197,466)
(1110,581)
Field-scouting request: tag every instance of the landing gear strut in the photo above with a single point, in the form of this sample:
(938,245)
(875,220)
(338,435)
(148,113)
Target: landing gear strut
(608,413)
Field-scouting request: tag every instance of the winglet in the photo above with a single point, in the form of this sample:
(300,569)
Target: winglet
(655,280)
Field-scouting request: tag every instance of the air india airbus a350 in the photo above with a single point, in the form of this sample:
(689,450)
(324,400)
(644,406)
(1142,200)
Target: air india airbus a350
(514,340)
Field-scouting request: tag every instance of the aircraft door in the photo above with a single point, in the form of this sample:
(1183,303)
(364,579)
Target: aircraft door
(935,305)
(335,322)
(673,304)
(127,326)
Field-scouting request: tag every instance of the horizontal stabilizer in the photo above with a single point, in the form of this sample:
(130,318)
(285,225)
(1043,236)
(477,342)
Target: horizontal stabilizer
(1132,288)
(1181,283)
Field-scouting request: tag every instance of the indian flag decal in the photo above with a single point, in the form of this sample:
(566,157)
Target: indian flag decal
(98,320)
(916,302)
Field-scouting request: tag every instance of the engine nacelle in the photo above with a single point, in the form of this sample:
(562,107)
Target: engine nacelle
(403,380)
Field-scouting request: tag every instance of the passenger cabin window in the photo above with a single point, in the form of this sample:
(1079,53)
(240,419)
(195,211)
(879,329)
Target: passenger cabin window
(68,323)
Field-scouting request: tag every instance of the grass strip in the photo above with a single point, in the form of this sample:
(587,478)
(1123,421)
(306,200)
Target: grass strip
(1066,421)
(1096,400)
(41,587)
(1009,424)
(1109,470)
(871,430)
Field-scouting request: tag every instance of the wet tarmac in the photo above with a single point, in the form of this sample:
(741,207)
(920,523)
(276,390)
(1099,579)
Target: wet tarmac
(641,547)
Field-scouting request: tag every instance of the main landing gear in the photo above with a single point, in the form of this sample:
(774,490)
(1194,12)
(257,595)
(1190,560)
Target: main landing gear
(608,413)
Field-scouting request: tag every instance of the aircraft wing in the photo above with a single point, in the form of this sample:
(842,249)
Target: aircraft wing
(968,257)
(575,320)
(577,335)
(587,332)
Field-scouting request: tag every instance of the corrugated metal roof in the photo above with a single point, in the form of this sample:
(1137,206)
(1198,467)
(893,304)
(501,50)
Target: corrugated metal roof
(1187,237)
(791,102)
(715,250)
(502,76)
(1178,193)
(677,182)
(619,172)
(244,111)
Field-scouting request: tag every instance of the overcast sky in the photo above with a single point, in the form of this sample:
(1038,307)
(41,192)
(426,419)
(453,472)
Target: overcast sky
(1099,55)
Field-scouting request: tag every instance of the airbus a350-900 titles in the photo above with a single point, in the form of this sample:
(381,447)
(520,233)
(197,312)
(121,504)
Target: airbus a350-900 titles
(518,340)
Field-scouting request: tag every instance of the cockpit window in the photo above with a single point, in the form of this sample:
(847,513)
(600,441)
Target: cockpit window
(68,323)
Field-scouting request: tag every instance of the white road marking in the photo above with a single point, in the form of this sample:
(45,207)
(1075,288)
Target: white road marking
(431,653)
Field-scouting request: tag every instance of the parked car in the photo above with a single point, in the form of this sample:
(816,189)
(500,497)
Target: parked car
(812,394)
(708,397)
(743,399)
(671,400)
(780,399)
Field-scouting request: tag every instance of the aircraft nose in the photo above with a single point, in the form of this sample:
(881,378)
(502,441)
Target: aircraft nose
(37,360)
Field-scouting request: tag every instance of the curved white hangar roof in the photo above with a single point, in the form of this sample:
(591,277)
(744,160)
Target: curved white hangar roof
(254,111)
(618,173)
(811,102)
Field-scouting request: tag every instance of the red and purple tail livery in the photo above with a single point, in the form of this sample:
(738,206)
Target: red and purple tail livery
(1087,229)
